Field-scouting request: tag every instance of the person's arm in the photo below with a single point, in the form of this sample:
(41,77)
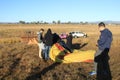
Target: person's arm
(102,39)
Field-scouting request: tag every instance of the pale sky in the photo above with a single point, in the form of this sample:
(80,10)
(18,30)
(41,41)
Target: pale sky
(63,10)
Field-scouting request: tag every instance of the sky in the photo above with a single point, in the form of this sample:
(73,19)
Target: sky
(63,10)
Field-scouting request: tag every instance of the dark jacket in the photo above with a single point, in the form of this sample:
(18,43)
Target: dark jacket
(105,39)
(48,39)
(56,38)
(69,41)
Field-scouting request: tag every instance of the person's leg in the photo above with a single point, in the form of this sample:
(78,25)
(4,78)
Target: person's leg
(40,50)
(97,58)
(106,67)
(100,68)
(40,54)
(106,70)
(48,51)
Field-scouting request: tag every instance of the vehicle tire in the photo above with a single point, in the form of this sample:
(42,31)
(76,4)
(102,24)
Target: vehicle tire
(85,36)
(75,37)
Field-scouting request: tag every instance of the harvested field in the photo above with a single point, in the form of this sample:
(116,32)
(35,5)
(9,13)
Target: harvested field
(19,61)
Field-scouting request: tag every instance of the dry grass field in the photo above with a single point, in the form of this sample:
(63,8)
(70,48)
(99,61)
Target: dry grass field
(19,61)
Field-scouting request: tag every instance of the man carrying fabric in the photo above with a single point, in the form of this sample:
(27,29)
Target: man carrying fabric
(101,59)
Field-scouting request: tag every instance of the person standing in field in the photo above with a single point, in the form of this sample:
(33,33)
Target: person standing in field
(40,42)
(48,40)
(101,58)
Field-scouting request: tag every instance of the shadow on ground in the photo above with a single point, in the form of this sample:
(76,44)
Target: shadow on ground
(45,70)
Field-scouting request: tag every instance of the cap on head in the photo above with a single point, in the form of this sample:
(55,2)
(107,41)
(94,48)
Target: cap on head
(101,24)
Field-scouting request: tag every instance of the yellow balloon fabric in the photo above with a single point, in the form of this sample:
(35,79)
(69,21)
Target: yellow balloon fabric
(59,54)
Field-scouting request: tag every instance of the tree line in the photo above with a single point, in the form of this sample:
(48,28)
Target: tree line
(53,22)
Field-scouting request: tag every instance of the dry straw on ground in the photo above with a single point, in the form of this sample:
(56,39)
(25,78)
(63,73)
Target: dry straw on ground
(19,61)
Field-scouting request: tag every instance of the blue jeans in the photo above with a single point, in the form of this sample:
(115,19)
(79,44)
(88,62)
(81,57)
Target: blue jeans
(47,51)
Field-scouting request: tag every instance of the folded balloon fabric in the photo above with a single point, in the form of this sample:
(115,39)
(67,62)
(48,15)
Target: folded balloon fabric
(60,54)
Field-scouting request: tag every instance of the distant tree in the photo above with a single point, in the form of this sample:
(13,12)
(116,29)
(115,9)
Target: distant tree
(54,22)
(33,22)
(22,22)
(41,22)
(45,22)
(27,23)
(86,23)
(81,22)
(37,22)
(58,22)
(69,22)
